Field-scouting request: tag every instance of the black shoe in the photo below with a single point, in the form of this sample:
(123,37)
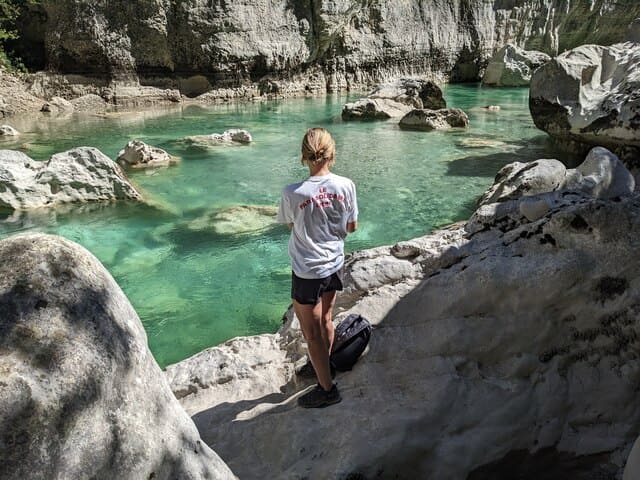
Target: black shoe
(307,370)
(319,397)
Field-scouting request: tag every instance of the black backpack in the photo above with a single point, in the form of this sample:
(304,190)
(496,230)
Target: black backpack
(350,339)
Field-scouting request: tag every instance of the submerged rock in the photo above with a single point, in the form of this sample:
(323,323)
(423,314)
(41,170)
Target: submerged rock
(444,119)
(228,137)
(83,174)
(8,131)
(81,393)
(512,66)
(137,154)
(393,100)
(590,96)
(238,220)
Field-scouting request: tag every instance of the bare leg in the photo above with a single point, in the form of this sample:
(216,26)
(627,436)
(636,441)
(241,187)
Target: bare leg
(310,317)
(328,301)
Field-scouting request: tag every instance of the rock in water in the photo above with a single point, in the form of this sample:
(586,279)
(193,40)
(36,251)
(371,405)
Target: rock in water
(137,154)
(57,104)
(8,131)
(444,119)
(589,96)
(512,66)
(81,393)
(394,100)
(83,174)
(242,219)
(228,137)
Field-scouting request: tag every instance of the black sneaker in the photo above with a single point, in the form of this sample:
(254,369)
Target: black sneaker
(319,397)
(307,370)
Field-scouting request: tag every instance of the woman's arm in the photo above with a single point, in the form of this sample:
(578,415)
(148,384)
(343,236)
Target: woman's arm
(352,226)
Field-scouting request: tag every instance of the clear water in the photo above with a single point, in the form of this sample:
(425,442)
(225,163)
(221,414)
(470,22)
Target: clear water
(193,290)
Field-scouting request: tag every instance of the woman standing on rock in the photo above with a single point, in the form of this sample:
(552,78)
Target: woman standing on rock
(320,212)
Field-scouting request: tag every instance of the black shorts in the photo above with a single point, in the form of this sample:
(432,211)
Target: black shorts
(309,291)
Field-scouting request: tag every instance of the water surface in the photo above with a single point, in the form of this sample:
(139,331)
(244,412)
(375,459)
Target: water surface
(192,289)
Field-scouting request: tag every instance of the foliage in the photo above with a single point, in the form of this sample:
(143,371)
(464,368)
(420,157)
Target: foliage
(10,11)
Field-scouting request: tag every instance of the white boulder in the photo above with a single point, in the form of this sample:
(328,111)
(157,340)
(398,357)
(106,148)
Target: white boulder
(8,131)
(137,154)
(512,66)
(83,174)
(57,104)
(81,393)
(589,96)
(228,137)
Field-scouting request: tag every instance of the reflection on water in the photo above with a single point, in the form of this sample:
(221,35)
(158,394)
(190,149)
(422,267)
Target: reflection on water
(194,288)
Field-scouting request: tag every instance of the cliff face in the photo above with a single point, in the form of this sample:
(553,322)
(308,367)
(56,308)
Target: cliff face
(345,42)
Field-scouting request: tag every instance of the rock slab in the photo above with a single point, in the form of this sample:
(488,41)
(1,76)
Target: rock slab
(81,393)
(427,120)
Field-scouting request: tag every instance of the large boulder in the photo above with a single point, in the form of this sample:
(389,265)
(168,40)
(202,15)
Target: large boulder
(137,154)
(83,174)
(601,175)
(512,66)
(443,119)
(590,96)
(81,393)
(515,341)
(394,100)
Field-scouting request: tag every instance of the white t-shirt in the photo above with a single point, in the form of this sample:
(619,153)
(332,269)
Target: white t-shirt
(319,208)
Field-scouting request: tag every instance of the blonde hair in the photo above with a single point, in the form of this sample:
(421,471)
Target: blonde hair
(318,147)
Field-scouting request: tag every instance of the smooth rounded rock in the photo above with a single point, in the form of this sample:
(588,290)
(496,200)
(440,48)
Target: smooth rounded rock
(8,131)
(512,66)
(81,393)
(444,119)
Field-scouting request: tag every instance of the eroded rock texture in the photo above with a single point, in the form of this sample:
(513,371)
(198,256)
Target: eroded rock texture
(80,393)
(335,44)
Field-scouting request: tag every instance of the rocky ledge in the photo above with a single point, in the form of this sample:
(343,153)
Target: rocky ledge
(81,393)
(505,350)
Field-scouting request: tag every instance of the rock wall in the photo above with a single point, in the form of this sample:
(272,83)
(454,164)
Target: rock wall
(338,43)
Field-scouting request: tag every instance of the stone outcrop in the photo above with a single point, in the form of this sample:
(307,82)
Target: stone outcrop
(394,100)
(233,136)
(514,341)
(427,120)
(57,105)
(137,154)
(79,175)
(512,66)
(352,42)
(81,393)
(238,220)
(590,96)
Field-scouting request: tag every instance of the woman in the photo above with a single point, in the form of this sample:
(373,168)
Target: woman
(320,212)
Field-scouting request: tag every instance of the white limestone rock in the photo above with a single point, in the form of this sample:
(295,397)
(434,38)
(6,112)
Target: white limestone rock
(589,96)
(8,131)
(57,105)
(394,100)
(137,154)
(512,66)
(427,120)
(81,393)
(232,136)
(521,340)
(601,175)
(83,174)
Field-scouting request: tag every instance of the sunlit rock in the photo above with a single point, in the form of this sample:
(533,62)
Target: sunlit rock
(233,136)
(512,66)
(8,131)
(79,175)
(137,154)
(443,119)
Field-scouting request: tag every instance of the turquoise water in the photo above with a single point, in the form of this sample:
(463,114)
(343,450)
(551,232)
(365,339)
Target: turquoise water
(193,289)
